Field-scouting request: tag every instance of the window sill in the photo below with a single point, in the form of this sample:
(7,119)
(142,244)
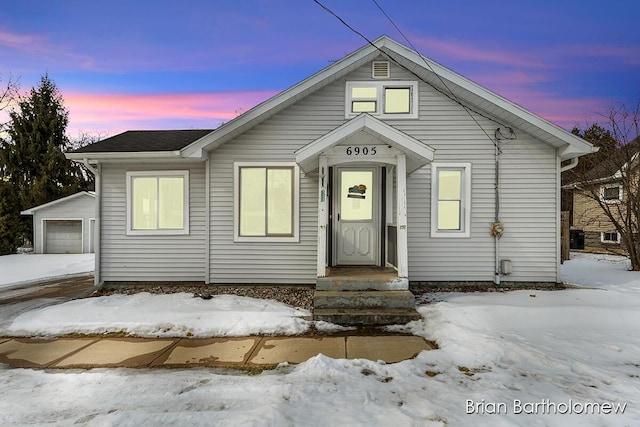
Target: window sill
(157,232)
(245,239)
(453,235)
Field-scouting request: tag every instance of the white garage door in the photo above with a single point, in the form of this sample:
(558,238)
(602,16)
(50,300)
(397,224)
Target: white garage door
(63,237)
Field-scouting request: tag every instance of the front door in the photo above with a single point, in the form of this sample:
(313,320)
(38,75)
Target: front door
(356,216)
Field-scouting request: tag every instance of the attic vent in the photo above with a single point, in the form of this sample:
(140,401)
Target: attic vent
(380,69)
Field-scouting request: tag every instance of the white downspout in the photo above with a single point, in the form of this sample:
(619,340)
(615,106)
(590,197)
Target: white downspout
(573,164)
(97,172)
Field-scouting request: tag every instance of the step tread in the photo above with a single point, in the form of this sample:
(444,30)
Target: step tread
(355,316)
(364,299)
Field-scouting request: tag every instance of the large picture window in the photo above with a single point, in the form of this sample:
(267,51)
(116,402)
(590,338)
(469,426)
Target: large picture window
(266,202)
(157,202)
(450,200)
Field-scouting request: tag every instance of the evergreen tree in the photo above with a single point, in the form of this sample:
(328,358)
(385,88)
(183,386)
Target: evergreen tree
(31,157)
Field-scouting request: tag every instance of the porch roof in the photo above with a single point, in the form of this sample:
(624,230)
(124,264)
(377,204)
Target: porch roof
(418,154)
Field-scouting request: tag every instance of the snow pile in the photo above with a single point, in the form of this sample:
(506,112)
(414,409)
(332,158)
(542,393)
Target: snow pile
(516,358)
(172,315)
(16,269)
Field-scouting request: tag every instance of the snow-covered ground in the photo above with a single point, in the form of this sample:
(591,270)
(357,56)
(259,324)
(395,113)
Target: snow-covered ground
(517,358)
(18,269)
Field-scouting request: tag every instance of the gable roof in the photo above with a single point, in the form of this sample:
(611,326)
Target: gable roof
(609,168)
(569,145)
(418,154)
(57,201)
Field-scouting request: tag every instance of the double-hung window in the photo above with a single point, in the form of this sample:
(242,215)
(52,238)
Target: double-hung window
(158,202)
(450,199)
(266,202)
(384,99)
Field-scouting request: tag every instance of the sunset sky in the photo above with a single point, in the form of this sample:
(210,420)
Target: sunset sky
(196,64)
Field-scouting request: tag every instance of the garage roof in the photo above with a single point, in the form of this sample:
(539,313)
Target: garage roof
(55,202)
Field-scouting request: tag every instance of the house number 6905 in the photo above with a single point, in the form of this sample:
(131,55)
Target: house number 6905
(361,151)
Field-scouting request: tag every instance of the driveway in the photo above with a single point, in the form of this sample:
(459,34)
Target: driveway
(18,299)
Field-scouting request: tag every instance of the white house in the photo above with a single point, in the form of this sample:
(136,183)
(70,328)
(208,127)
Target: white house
(384,159)
(64,226)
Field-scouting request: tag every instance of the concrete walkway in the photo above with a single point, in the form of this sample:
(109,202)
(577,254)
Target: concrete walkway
(243,352)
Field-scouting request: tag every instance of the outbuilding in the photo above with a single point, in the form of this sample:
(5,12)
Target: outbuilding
(64,226)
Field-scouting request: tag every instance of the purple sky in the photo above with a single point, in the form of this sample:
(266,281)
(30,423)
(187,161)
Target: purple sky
(196,64)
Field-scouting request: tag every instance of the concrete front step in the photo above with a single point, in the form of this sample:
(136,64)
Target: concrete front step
(366,317)
(361,284)
(364,299)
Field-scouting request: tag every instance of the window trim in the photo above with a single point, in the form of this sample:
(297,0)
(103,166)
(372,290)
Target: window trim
(465,200)
(236,202)
(611,201)
(130,175)
(603,240)
(380,86)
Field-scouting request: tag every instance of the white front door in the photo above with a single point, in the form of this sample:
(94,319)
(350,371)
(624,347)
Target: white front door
(356,216)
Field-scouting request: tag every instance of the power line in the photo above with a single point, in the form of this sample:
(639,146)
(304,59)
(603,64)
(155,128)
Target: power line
(450,93)
(437,75)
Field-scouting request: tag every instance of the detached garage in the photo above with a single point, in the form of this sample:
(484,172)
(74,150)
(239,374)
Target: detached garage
(64,226)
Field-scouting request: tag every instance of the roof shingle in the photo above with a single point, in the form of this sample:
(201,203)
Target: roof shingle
(145,140)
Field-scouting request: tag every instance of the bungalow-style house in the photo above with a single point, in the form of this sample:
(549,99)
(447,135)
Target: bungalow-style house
(383,160)
(64,226)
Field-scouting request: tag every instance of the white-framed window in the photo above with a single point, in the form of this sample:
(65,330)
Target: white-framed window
(450,199)
(610,237)
(611,193)
(266,202)
(385,99)
(158,202)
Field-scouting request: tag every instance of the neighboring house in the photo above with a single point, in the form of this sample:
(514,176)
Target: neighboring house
(64,226)
(588,216)
(603,187)
(370,162)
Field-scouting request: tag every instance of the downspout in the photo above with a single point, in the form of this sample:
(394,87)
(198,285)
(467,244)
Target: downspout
(573,164)
(97,172)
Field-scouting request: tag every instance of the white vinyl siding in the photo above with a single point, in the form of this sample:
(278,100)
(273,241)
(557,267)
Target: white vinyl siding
(528,184)
(151,257)
(157,202)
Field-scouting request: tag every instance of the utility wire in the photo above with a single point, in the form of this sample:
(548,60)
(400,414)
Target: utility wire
(450,93)
(455,98)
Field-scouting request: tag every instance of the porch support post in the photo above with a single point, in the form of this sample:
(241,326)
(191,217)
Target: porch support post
(323,178)
(401,220)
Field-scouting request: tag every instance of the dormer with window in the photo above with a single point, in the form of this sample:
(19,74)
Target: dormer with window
(382,97)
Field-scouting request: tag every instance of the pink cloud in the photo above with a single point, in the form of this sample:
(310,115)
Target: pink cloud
(554,107)
(459,51)
(113,113)
(22,41)
(34,43)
